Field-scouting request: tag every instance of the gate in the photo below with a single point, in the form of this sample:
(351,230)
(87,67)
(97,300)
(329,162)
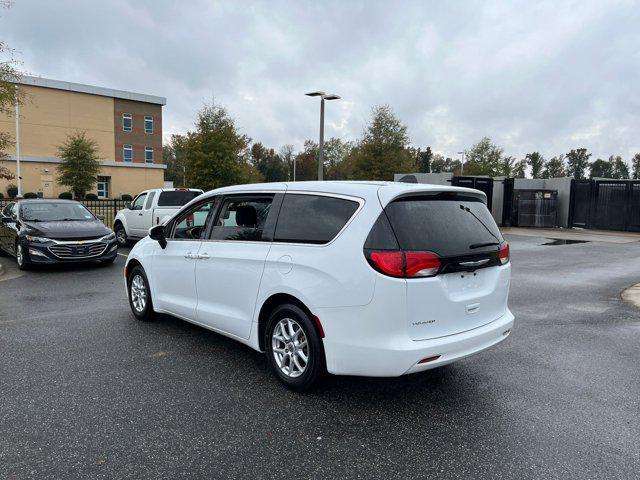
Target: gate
(606,204)
(484,184)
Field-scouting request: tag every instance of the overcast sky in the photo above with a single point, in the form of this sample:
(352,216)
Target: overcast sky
(532,75)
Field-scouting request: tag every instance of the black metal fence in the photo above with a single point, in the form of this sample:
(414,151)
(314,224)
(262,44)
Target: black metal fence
(605,204)
(106,209)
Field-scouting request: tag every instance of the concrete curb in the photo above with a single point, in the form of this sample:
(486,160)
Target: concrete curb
(632,295)
(1,270)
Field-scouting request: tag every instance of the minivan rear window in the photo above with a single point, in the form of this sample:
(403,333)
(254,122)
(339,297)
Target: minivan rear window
(313,219)
(176,198)
(447,226)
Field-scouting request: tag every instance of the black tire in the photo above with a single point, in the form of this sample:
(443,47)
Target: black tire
(146,313)
(121,235)
(21,258)
(315,366)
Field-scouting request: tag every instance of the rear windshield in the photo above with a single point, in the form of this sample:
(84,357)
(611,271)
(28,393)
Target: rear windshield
(176,198)
(446,226)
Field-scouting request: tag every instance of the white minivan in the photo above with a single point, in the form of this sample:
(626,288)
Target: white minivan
(351,278)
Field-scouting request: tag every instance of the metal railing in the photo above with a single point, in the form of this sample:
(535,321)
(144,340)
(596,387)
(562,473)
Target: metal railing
(105,208)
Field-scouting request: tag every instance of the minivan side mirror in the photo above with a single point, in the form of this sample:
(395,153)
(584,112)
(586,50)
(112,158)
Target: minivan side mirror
(127,206)
(157,233)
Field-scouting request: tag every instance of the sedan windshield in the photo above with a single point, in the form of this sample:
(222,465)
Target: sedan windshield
(54,212)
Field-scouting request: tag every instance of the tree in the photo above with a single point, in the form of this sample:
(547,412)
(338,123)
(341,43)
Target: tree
(554,168)
(306,162)
(440,164)
(424,160)
(536,162)
(174,157)
(216,154)
(268,163)
(519,169)
(600,169)
(635,162)
(484,158)
(287,155)
(80,166)
(383,149)
(577,162)
(9,95)
(338,160)
(619,168)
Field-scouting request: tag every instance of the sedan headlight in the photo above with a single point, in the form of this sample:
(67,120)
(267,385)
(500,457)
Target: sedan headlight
(32,239)
(108,238)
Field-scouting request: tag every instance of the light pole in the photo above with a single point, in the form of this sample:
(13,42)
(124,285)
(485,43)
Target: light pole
(323,96)
(18,144)
(462,162)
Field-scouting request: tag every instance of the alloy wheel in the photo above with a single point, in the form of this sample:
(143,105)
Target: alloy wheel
(19,255)
(290,347)
(121,236)
(138,293)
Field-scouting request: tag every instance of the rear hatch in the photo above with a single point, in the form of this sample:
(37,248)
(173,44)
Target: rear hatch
(451,254)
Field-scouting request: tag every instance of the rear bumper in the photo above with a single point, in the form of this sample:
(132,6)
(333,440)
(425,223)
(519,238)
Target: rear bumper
(399,355)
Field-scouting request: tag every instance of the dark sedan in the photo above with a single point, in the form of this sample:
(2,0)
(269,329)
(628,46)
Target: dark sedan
(54,231)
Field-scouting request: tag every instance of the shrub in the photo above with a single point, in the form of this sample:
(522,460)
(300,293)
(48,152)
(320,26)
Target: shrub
(66,196)
(126,197)
(1,195)
(91,196)
(12,190)
(30,195)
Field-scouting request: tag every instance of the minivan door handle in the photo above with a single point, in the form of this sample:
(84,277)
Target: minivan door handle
(190,256)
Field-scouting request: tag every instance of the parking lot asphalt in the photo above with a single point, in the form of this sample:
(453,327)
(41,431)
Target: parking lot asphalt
(88,392)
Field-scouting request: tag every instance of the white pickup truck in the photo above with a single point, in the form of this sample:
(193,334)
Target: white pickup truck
(150,208)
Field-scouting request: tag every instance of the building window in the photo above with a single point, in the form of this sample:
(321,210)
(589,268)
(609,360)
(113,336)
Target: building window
(148,124)
(148,154)
(103,187)
(127,122)
(127,153)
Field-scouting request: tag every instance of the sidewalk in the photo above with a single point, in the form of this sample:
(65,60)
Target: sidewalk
(606,236)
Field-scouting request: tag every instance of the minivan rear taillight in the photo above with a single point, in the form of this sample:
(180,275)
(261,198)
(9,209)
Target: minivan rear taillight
(504,254)
(401,264)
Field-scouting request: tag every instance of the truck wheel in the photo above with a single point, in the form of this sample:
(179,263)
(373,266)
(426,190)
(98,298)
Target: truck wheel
(121,236)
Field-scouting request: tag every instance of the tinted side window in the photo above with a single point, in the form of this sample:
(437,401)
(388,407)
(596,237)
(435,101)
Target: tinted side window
(312,218)
(242,218)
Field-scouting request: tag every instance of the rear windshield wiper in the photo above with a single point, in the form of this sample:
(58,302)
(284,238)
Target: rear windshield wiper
(485,244)
(468,210)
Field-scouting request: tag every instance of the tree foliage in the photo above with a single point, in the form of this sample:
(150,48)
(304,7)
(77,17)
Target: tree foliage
(216,153)
(619,169)
(80,166)
(635,165)
(485,158)
(174,156)
(440,164)
(554,168)
(268,163)
(536,161)
(600,169)
(9,95)
(383,149)
(424,160)
(577,163)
